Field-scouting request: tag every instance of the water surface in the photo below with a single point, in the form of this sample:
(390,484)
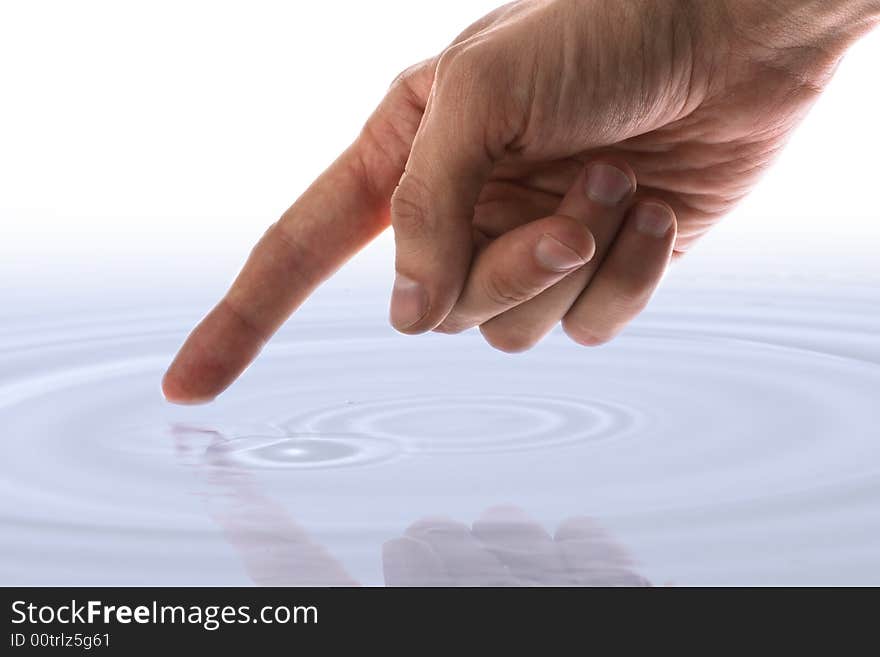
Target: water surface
(729,437)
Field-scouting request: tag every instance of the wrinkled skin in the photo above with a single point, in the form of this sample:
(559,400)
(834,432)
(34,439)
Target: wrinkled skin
(498,132)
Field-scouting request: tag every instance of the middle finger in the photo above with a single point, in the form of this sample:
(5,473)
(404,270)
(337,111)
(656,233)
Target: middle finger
(599,199)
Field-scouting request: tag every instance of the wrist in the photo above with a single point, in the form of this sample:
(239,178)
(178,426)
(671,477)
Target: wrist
(805,37)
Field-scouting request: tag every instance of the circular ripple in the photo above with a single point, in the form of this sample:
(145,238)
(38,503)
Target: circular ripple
(741,422)
(300,451)
(474,423)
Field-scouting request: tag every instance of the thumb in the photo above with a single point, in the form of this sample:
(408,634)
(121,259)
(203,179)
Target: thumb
(432,208)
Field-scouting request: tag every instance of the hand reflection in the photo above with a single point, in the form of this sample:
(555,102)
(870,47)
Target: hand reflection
(504,547)
(275,549)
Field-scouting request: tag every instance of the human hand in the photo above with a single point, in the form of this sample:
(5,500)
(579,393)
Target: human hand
(477,155)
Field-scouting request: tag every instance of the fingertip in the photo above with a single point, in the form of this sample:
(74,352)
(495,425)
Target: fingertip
(170,390)
(628,275)
(176,390)
(409,305)
(507,340)
(573,233)
(554,255)
(654,218)
(585,336)
(216,352)
(608,181)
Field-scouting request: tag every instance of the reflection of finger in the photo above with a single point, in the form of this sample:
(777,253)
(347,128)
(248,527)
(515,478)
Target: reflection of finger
(592,557)
(275,549)
(465,560)
(598,198)
(518,266)
(631,271)
(410,562)
(522,545)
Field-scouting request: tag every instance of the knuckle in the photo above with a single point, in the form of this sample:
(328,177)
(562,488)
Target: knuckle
(404,77)
(413,83)
(502,290)
(453,59)
(464,61)
(409,204)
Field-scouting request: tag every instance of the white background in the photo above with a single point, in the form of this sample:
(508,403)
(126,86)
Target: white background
(175,132)
(145,146)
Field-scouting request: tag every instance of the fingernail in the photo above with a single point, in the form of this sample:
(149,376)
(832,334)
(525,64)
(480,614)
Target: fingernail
(409,302)
(653,219)
(556,256)
(607,185)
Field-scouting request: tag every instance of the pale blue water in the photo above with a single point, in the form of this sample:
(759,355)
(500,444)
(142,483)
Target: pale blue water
(729,437)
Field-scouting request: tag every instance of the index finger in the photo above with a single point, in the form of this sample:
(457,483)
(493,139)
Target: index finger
(346,207)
